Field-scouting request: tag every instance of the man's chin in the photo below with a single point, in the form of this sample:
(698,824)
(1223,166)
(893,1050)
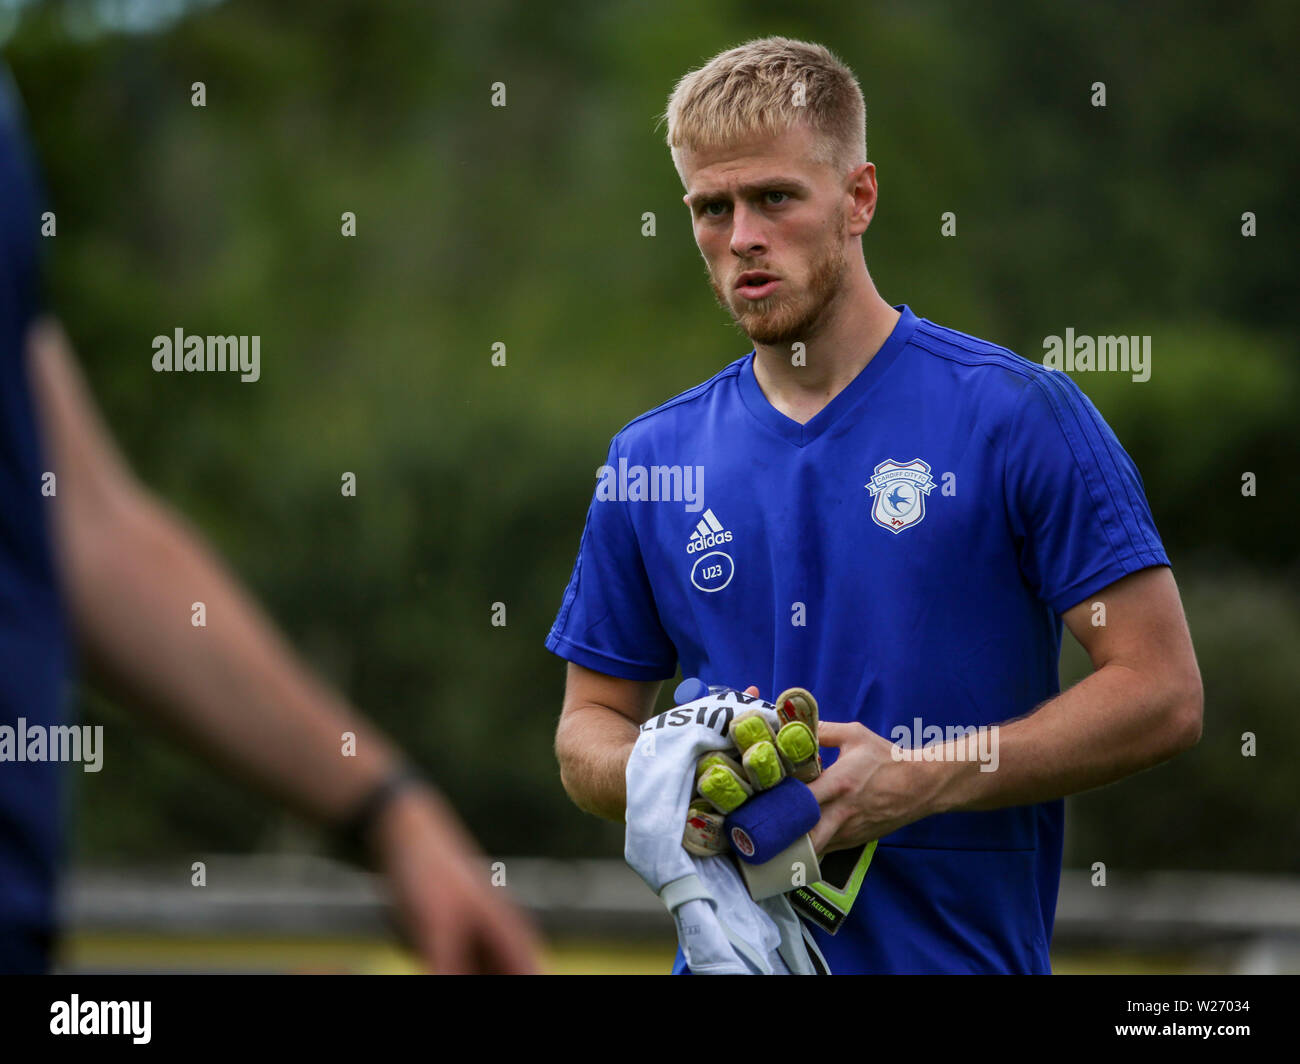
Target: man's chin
(767,325)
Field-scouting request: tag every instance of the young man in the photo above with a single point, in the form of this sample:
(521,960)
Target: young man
(102,559)
(896,516)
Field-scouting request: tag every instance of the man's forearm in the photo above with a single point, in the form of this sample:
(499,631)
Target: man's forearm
(1108,726)
(233,687)
(592,745)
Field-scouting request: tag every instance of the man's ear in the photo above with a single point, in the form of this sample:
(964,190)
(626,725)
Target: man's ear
(861,187)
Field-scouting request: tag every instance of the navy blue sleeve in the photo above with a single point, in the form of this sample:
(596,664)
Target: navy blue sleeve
(35,653)
(1075,500)
(608,621)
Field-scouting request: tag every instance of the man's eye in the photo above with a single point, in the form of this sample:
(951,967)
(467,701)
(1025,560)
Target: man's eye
(774,203)
(708,209)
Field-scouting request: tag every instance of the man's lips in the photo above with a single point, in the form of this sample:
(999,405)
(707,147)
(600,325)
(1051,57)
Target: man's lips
(756,284)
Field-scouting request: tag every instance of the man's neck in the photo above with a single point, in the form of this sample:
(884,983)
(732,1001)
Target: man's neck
(801,384)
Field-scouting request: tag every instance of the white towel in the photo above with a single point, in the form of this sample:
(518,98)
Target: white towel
(721,929)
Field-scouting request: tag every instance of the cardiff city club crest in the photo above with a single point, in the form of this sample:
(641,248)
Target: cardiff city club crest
(899,489)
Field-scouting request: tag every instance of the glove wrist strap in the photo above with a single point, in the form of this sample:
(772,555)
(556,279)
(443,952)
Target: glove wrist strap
(677,893)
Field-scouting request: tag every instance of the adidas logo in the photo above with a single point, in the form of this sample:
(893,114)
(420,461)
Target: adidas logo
(708,533)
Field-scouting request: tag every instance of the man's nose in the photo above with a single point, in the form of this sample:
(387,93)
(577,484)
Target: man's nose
(747,235)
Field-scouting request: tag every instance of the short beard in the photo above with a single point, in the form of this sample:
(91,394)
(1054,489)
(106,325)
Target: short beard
(777,320)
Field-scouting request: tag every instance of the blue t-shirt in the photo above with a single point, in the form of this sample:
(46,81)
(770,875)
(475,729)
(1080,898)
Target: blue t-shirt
(34,650)
(905,554)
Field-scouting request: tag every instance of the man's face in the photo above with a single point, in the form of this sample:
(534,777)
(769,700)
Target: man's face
(767,208)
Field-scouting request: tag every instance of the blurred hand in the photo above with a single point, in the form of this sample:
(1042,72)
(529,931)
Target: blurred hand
(457,921)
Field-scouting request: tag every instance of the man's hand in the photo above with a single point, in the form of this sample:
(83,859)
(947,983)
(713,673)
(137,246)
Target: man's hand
(457,922)
(867,793)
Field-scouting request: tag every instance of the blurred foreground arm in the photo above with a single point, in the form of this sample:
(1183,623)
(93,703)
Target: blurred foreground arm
(131,570)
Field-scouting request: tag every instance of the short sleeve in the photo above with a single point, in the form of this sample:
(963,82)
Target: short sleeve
(608,620)
(1075,499)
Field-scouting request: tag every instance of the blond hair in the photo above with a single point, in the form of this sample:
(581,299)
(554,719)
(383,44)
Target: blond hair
(761,89)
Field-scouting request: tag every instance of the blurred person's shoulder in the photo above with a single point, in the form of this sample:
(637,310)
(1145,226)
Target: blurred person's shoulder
(21,201)
(15,151)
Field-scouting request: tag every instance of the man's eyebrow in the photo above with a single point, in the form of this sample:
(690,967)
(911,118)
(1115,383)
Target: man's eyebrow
(695,199)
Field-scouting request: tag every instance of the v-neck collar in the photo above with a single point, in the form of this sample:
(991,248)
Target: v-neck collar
(801,435)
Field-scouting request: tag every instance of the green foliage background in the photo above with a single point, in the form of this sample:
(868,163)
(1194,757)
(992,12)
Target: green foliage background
(522,225)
